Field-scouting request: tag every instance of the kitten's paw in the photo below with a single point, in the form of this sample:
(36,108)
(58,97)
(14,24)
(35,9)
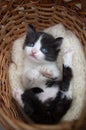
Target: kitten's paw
(69,51)
(16,94)
(46,72)
(68,55)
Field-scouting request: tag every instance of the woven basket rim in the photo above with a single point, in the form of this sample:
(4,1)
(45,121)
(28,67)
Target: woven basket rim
(34,127)
(37,126)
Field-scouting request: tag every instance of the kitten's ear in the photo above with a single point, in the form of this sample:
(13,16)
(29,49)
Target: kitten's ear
(58,42)
(31,29)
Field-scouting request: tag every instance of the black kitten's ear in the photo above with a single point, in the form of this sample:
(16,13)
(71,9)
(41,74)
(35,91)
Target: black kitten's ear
(31,29)
(58,42)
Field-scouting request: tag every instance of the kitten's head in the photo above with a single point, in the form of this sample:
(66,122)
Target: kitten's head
(41,47)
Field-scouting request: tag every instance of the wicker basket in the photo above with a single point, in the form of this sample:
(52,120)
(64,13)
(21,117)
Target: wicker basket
(14,17)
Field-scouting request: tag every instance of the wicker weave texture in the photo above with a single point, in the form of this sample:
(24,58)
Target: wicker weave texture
(14,17)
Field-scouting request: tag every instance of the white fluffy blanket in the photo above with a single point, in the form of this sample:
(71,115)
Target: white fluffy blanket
(79,67)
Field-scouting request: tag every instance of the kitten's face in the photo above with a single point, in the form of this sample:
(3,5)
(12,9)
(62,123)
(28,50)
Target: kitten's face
(41,47)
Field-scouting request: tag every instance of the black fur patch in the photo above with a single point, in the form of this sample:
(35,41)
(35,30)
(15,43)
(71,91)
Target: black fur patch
(49,112)
(49,42)
(65,82)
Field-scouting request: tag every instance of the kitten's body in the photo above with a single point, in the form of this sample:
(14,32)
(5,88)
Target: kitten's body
(47,97)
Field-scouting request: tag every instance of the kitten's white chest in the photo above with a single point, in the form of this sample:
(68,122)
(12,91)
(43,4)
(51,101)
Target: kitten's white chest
(35,75)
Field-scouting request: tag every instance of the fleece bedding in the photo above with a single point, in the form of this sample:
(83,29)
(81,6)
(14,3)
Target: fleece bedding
(78,66)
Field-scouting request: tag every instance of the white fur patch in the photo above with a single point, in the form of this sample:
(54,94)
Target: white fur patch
(48,93)
(39,56)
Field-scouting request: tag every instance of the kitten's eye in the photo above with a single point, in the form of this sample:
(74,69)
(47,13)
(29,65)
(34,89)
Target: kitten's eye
(31,44)
(44,50)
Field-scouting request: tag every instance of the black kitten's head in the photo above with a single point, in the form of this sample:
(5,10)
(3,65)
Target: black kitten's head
(40,46)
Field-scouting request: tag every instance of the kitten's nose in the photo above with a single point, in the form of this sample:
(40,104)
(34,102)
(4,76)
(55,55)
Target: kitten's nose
(33,52)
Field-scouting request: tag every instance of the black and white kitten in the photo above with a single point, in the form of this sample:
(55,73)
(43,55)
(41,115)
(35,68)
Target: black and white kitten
(46,98)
